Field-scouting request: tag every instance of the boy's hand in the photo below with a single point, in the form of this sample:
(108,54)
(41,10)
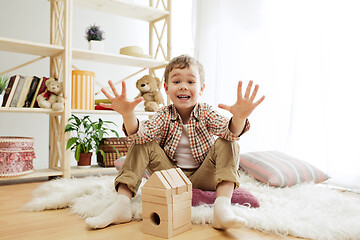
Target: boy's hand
(119,103)
(244,104)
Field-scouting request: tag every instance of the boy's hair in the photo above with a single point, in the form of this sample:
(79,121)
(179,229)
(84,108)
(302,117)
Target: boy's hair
(181,62)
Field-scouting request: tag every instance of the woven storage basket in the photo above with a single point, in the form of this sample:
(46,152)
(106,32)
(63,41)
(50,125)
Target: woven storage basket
(16,156)
(111,155)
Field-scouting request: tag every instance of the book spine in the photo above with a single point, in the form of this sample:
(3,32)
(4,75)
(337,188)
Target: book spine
(8,90)
(12,92)
(41,90)
(36,92)
(24,91)
(17,91)
(31,92)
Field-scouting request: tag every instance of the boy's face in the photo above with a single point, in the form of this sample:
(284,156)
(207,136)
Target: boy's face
(184,88)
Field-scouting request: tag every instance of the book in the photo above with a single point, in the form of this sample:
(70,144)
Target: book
(98,107)
(36,92)
(12,91)
(31,92)
(17,92)
(24,91)
(8,89)
(42,89)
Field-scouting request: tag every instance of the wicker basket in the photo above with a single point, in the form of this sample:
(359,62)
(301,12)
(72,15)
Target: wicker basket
(107,145)
(16,156)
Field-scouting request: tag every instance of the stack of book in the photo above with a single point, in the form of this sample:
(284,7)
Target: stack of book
(22,91)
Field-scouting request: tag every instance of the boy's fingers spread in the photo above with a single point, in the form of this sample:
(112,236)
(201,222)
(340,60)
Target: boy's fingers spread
(223,106)
(137,101)
(105,105)
(107,95)
(247,93)
(259,101)
(113,88)
(239,89)
(123,90)
(253,95)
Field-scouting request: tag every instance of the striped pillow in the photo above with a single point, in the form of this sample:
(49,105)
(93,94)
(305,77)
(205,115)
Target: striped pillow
(280,170)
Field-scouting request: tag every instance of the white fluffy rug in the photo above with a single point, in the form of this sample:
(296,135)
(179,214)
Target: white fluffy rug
(307,210)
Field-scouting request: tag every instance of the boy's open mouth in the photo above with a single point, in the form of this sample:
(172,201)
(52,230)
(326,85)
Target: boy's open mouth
(183,97)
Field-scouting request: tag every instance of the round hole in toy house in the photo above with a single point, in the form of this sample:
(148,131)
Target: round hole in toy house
(155,219)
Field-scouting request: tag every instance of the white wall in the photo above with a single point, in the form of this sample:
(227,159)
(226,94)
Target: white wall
(30,20)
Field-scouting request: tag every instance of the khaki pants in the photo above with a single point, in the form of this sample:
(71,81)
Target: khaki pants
(221,164)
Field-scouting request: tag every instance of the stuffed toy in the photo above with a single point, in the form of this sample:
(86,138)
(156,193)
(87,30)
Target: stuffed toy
(149,88)
(51,98)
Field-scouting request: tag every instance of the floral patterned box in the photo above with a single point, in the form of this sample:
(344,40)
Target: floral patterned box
(16,156)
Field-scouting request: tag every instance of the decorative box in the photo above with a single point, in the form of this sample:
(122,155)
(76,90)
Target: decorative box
(16,156)
(108,145)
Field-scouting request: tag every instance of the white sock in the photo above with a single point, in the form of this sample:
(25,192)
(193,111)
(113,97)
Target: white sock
(118,212)
(223,215)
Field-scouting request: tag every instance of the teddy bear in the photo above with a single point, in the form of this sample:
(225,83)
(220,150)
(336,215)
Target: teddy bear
(52,98)
(149,88)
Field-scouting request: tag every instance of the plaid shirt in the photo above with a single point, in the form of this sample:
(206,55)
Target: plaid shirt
(204,124)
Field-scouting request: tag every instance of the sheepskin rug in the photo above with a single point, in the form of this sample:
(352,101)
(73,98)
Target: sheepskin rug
(306,210)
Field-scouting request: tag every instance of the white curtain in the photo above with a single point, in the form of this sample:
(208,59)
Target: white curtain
(306,57)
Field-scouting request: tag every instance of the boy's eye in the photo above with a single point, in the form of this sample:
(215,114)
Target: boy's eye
(191,82)
(176,82)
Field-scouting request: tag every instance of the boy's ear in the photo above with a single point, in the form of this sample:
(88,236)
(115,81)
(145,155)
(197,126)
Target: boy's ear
(166,88)
(202,88)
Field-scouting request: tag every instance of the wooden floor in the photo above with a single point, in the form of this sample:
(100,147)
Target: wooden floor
(60,224)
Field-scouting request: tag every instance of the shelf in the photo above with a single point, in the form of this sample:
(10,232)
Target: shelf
(80,111)
(57,172)
(93,169)
(124,8)
(119,59)
(26,47)
(30,110)
(36,174)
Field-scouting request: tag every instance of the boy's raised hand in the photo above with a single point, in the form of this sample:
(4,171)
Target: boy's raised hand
(244,104)
(120,103)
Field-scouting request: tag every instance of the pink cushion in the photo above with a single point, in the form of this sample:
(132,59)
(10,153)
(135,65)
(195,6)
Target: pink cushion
(280,170)
(240,196)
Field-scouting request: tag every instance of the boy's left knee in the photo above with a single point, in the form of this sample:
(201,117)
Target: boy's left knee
(223,143)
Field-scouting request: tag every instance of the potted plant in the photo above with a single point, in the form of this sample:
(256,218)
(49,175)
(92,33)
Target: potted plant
(86,138)
(95,36)
(4,80)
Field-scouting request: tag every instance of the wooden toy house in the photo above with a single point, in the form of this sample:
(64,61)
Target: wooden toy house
(166,203)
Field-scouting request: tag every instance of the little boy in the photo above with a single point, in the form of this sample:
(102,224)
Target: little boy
(182,135)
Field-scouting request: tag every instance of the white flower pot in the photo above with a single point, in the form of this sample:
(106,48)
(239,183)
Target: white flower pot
(96,45)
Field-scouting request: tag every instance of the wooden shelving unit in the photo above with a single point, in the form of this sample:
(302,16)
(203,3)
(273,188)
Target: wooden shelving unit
(119,59)
(32,48)
(61,54)
(108,112)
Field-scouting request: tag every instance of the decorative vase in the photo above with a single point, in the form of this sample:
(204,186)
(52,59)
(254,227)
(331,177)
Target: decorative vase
(96,45)
(85,160)
(83,90)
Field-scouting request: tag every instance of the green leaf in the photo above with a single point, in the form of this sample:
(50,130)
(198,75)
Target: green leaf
(78,122)
(110,122)
(71,141)
(68,128)
(102,154)
(77,153)
(115,132)
(119,155)
(101,134)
